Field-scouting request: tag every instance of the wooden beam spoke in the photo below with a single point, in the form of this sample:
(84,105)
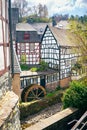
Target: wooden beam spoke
(33,93)
(40,93)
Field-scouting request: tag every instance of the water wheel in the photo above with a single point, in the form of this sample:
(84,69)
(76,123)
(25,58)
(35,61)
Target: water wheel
(34,92)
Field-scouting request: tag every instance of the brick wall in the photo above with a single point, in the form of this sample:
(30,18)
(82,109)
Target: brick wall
(16,84)
(65,82)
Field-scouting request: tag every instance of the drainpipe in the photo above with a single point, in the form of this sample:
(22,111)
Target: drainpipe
(11,42)
(59,64)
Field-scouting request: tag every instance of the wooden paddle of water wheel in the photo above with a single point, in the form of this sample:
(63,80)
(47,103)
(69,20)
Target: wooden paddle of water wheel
(33,92)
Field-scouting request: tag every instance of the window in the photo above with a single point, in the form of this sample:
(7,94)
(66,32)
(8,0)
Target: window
(67,63)
(22,46)
(63,74)
(26,36)
(49,78)
(32,46)
(55,77)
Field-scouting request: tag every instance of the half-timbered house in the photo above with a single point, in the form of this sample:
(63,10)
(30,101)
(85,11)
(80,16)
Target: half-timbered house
(4,40)
(56,50)
(8,99)
(27,44)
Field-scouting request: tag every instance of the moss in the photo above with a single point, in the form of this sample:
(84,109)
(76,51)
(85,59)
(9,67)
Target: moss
(30,108)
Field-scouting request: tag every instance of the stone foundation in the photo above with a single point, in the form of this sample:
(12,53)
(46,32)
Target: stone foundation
(9,112)
(4,84)
(62,83)
(52,86)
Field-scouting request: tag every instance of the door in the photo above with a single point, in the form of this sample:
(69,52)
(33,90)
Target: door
(42,81)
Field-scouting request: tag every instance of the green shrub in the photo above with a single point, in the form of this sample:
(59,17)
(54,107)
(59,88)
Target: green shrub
(76,96)
(58,88)
(23,58)
(24,67)
(43,66)
(77,66)
(34,69)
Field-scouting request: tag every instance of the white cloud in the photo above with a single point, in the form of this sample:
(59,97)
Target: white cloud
(67,6)
(61,6)
(81,4)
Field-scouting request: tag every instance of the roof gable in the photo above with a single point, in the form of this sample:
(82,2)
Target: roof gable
(62,36)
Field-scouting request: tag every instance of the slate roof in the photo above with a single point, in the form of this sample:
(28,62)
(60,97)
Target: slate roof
(63,37)
(24,27)
(40,27)
(63,24)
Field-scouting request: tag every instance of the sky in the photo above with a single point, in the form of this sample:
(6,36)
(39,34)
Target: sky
(71,7)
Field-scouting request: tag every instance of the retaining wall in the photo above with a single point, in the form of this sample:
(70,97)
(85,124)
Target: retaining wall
(9,112)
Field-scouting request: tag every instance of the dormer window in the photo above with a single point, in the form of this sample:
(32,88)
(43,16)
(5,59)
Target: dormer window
(41,30)
(26,36)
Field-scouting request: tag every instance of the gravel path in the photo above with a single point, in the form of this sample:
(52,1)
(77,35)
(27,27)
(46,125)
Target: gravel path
(47,112)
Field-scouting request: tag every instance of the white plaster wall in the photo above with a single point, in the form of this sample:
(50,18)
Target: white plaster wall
(1,58)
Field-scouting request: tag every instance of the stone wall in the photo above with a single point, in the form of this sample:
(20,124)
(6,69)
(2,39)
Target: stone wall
(4,84)
(9,112)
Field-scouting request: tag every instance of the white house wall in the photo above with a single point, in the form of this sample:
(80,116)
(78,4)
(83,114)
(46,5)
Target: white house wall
(32,56)
(58,57)
(1,59)
(68,59)
(4,36)
(1,36)
(49,50)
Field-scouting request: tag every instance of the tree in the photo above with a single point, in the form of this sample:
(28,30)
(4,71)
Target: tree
(35,10)
(60,17)
(72,17)
(53,21)
(45,11)
(23,7)
(80,31)
(42,11)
